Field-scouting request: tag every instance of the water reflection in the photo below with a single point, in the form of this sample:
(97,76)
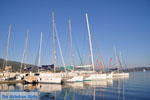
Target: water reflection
(49,87)
(71,91)
(78,85)
(116,89)
(6,87)
(96,83)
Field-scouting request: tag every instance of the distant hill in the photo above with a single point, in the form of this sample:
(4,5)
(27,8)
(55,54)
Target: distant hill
(16,65)
(135,69)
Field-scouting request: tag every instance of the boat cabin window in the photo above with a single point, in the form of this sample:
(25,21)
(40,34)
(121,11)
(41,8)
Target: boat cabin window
(26,74)
(36,74)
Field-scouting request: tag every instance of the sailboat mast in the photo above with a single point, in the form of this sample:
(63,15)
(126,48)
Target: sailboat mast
(117,62)
(6,57)
(54,50)
(92,59)
(71,44)
(24,52)
(40,52)
(121,60)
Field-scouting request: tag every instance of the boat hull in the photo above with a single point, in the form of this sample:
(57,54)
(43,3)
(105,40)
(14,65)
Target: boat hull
(109,76)
(95,77)
(75,79)
(120,74)
(49,80)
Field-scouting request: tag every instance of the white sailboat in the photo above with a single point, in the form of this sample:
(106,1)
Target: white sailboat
(21,75)
(74,76)
(24,52)
(46,77)
(6,56)
(41,77)
(93,76)
(66,76)
(52,77)
(118,73)
(6,74)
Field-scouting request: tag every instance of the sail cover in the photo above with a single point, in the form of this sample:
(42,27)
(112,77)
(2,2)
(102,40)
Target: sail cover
(84,66)
(67,67)
(47,67)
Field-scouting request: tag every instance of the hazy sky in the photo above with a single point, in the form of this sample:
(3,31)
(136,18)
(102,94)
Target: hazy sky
(124,24)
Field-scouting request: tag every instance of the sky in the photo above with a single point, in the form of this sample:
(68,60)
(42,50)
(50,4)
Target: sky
(124,24)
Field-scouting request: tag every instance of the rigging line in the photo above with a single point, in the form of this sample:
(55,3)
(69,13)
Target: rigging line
(44,54)
(84,44)
(103,64)
(66,55)
(39,61)
(120,63)
(24,52)
(30,49)
(87,58)
(12,48)
(60,47)
(25,60)
(99,58)
(81,63)
(6,56)
(67,45)
(96,55)
(117,60)
(72,52)
(99,66)
(3,46)
(37,57)
(87,52)
(4,61)
(125,64)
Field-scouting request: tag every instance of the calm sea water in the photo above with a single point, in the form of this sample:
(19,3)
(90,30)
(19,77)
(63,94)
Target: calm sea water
(135,87)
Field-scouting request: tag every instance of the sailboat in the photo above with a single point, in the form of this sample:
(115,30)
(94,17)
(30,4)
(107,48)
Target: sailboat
(42,77)
(46,77)
(21,75)
(118,73)
(65,76)
(75,77)
(53,77)
(31,78)
(6,74)
(79,76)
(93,76)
